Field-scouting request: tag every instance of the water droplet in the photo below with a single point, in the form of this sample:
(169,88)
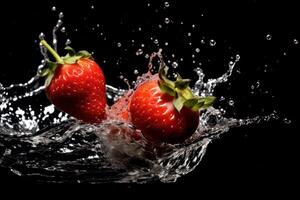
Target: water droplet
(63,29)
(119,44)
(167,20)
(136,72)
(237,57)
(148,4)
(268,37)
(231,64)
(231,102)
(42,36)
(159,26)
(193,56)
(147,56)
(166,43)
(284,53)
(257,84)
(287,121)
(189,34)
(142,45)
(181,59)
(222,111)
(140,29)
(61,15)
(167,4)
(121,77)
(202,41)
(212,42)
(59,23)
(53,8)
(296,41)
(222,98)
(174,65)
(252,87)
(92,7)
(197,50)
(98,25)
(54,42)
(156,41)
(193,25)
(68,42)
(139,52)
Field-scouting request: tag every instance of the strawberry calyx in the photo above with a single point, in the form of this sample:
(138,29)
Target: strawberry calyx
(182,93)
(70,58)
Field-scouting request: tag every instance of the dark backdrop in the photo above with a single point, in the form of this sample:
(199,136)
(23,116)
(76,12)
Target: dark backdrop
(259,154)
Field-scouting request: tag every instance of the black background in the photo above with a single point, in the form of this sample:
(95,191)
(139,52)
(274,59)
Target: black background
(261,154)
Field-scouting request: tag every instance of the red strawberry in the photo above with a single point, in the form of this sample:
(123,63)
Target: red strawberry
(75,84)
(166,111)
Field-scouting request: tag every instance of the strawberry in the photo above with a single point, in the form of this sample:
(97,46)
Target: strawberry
(75,84)
(166,111)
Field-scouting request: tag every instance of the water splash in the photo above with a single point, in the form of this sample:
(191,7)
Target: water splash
(66,148)
(42,142)
(56,28)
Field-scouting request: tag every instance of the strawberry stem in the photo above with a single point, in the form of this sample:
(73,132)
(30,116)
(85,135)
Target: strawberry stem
(52,51)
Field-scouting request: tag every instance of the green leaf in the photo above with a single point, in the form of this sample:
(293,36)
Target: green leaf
(199,103)
(51,65)
(166,88)
(71,59)
(178,77)
(194,104)
(182,83)
(163,76)
(197,106)
(162,73)
(191,102)
(50,68)
(48,79)
(44,72)
(179,103)
(70,50)
(84,54)
(185,93)
(208,101)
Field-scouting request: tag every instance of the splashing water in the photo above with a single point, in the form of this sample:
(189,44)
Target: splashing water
(39,141)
